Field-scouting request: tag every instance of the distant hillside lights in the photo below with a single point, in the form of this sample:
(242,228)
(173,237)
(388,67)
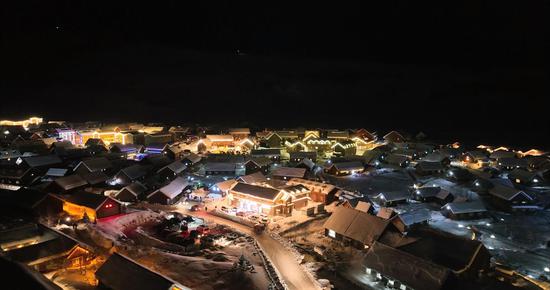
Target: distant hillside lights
(24,123)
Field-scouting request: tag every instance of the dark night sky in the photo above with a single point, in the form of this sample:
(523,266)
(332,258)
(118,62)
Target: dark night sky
(470,70)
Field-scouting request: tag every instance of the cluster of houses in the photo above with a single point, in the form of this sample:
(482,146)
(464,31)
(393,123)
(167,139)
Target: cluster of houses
(92,171)
(402,252)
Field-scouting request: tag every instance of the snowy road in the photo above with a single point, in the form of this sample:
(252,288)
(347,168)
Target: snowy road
(292,272)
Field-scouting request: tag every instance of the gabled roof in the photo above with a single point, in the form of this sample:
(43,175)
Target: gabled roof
(70,182)
(220,166)
(95,164)
(524,175)
(396,159)
(256,177)
(508,193)
(226,185)
(260,161)
(348,166)
(409,269)
(44,160)
(429,166)
(394,136)
(96,177)
(55,245)
(355,224)
(176,167)
(465,207)
(414,216)
(135,188)
(135,171)
(121,273)
(88,199)
(393,195)
(289,172)
(266,151)
(172,189)
(256,191)
(427,191)
(513,162)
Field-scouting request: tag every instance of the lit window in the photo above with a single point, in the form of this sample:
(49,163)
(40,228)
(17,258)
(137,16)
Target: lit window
(331,233)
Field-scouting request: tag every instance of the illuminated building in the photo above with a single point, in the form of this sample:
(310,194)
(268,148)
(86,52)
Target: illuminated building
(319,192)
(23,123)
(267,200)
(94,206)
(345,168)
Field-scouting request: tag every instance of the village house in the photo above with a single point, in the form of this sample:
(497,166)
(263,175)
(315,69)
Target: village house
(91,206)
(286,173)
(126,150)
(464,210)
(67,184)
(297,157)
(459,174)
(344,148)
(429,168)
(260,199)
(401,270)
(256,178)
(171,170)
(170,193)
(511,163)
(239,133)
(477,157)
(345,168)
(354,227)
(93,165)
(120,272)
(26,171)
(426,193)
(220,168)
(320,192)
(394,137)
(131,193)
(130,174)
(365,135)
(190,159)
(430,259)
(499,154)
(396,160)
(407,221)
(258,164)
(46,250)
(391,198)
(511,199)
(526,178)
(271,153)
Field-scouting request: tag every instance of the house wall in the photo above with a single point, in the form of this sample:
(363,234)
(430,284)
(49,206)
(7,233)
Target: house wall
(109,208)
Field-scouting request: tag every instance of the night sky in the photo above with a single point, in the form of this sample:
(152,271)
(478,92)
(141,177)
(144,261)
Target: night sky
(472,71)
